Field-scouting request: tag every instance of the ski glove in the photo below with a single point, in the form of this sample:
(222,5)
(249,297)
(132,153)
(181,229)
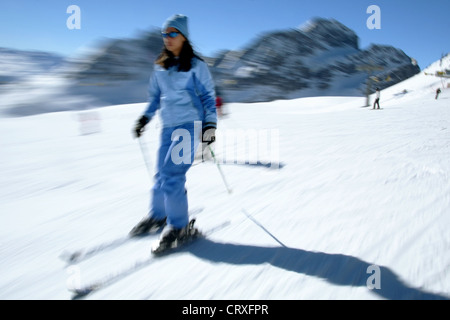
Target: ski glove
(140,125)
(209,134)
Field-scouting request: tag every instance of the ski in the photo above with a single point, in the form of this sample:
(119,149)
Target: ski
(76,256)
(82,291)
(80,255)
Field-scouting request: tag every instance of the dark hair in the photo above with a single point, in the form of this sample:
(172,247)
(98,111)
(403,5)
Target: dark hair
(166,59)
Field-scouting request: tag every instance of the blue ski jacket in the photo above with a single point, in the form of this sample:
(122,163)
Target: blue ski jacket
(182,97)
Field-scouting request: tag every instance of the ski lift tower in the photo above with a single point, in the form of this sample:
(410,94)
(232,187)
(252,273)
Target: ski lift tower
(369,69)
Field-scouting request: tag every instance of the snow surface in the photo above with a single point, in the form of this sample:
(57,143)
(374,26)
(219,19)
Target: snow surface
(351,193)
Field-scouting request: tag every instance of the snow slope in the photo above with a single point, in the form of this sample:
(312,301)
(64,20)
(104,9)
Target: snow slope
(350,193)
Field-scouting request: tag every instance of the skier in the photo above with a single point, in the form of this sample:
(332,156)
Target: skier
(377,100)
(219,104)
(182,88)
(438,91)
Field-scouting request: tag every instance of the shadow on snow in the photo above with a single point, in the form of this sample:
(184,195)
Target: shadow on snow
(258,164)
(337,269)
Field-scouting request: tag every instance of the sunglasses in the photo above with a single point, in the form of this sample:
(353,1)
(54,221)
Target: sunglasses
(172,34)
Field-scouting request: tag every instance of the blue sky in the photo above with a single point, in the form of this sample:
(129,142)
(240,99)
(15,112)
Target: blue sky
(420,28)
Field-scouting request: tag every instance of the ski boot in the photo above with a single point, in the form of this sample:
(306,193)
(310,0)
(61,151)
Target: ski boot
(147,226)
(172,238)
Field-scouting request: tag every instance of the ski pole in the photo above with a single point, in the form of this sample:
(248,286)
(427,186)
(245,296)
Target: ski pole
(144,152)
(220,170)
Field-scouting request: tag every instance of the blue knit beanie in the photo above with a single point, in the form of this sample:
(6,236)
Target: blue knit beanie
(179,22)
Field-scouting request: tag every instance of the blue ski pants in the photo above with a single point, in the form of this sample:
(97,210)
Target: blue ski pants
(175,157)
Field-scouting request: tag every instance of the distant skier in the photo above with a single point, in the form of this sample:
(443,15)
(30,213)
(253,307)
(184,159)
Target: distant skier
(438,91)
(182,88)
(219,104)
(377,100)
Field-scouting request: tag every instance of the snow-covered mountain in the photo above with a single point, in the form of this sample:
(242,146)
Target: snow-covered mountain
(15,65)
(357,209)
(119,59)
(320,58)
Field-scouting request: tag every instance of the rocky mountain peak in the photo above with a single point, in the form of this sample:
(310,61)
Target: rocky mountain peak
(321,57)
(331,32)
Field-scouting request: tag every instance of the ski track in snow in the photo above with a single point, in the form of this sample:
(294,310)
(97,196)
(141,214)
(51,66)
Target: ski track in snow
(356,188)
